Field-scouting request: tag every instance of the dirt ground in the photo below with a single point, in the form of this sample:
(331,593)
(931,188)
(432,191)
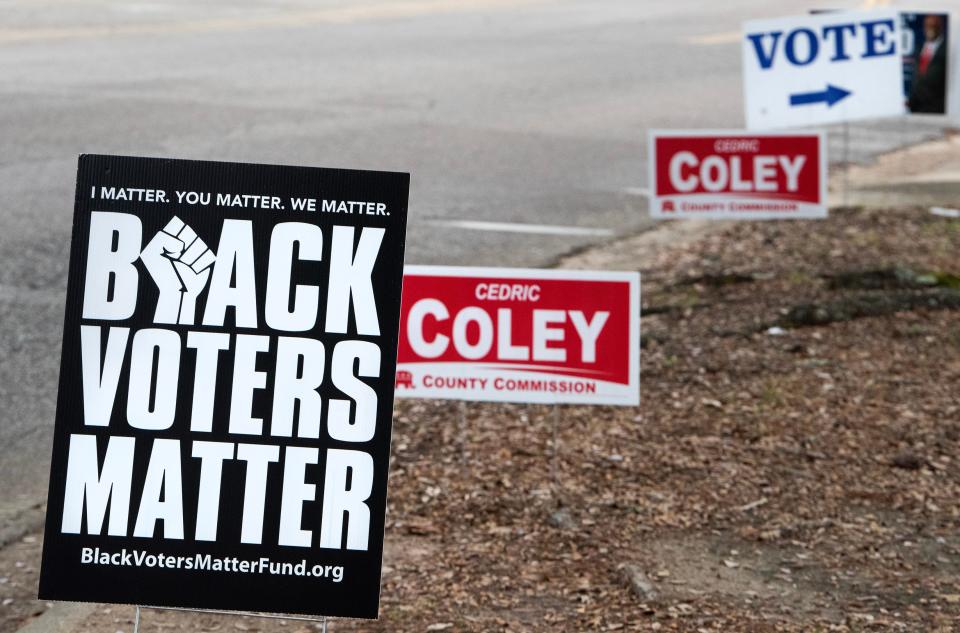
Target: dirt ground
(792,466)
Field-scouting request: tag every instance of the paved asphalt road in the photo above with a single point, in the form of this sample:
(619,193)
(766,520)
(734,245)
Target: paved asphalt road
(504,111)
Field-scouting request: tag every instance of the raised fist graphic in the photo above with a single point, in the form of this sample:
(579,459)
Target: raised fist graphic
(179,263)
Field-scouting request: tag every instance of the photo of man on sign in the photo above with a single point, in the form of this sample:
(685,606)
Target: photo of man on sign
(925,62)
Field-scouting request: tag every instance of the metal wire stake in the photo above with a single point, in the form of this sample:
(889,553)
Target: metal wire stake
(904,159)
(267,616)
(463,431)
(555,453)
(846,164)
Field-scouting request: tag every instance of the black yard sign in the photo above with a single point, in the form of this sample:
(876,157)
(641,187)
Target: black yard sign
(226,387)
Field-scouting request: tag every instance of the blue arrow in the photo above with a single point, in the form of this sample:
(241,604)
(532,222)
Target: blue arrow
(829,96)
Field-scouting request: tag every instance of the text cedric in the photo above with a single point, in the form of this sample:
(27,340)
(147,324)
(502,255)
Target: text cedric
(102,493)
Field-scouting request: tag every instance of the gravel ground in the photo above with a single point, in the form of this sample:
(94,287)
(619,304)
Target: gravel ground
(792,466)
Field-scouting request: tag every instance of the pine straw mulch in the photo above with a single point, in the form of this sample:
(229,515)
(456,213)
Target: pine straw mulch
(788,479)
(769,481)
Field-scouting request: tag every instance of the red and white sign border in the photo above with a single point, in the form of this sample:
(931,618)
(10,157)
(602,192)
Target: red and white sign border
(630,393)
(817,212)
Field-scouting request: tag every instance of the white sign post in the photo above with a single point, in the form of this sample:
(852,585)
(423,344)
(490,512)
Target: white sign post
(822,68)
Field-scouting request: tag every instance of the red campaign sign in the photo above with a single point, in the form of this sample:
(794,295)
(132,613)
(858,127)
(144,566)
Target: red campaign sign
(519,335)
(737,175)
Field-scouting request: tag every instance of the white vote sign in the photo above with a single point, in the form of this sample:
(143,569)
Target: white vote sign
(823,68)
